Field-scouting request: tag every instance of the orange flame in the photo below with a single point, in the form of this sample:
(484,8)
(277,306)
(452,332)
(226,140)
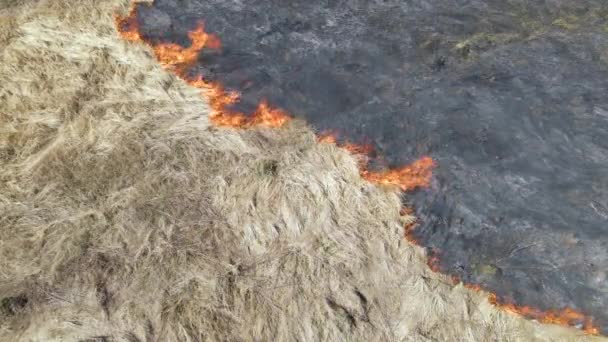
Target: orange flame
(173,55)
(409,233)
(409,227)
(474,287)
(418,174)
(327,138)
(565,316)
(358,149)
(409,177)
(128,27)
(331,137)
(219,101)
(178,59)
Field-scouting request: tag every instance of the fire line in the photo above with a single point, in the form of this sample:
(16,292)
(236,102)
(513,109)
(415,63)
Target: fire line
(179,59)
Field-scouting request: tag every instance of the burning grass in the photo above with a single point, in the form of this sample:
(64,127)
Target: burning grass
(124,215)
(179,59)
(407,178)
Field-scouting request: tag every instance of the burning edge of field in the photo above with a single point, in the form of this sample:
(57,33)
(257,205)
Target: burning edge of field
(179,60)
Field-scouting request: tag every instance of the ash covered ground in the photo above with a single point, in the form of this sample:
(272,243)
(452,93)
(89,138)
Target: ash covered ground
(509,97)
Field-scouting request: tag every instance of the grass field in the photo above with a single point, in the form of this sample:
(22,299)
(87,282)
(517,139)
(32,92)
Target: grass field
(126,216)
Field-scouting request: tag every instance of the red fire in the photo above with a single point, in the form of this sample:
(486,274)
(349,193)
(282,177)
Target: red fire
(178,59)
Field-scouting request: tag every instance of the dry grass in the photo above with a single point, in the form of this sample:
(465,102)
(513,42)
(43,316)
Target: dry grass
(125,217)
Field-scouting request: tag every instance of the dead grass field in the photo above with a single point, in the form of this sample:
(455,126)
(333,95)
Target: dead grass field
(125,216)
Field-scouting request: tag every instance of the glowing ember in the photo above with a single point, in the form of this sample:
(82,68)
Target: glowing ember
(418,174)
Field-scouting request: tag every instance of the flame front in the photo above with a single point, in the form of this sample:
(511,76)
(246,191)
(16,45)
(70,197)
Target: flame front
(332,137)
(128,27)
(409,233)
(566,316)
(415,175)
(179,59)
(409,177)
(175,56)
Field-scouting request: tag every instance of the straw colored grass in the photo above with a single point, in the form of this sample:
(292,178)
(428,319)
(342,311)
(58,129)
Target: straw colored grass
(126,216)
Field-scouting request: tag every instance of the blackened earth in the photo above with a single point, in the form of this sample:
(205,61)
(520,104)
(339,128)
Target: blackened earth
(510,97)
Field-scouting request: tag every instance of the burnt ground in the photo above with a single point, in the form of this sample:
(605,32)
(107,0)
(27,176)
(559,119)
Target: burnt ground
(510,97)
